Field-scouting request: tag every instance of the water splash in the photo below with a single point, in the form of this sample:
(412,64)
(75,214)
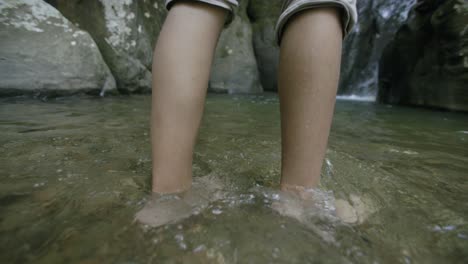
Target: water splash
(354,97)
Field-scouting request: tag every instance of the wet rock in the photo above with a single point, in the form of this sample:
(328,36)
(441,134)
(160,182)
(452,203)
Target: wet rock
(41,51)
(235,68)
(427,62)
(125,32)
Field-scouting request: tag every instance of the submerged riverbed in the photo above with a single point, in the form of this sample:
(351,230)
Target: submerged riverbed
(75,171)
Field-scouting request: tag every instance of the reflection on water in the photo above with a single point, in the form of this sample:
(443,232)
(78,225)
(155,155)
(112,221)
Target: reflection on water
(74,172)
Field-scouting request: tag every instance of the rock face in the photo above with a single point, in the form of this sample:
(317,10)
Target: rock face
(125,32)
(235,68)
(42,52)
(263,15)
(427,62)
(86,43)
(362,49)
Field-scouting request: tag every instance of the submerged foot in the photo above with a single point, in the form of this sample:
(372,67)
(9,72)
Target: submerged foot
(171,208)
(319,211)
(303,204)
(313,208)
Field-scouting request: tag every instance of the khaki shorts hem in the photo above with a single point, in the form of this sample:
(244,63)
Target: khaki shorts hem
(225,4)
(292,7)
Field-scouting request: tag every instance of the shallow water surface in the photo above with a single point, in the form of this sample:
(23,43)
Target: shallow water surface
(75,171)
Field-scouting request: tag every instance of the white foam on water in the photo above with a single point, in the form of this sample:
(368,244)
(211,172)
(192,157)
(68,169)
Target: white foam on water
(354,97)
(217,211)
(407,152)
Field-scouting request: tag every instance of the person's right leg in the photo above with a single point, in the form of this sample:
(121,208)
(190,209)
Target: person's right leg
(308,79)
(181,69)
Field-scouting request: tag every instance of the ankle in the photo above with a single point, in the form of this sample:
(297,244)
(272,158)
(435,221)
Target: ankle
(171,187)
(302,192)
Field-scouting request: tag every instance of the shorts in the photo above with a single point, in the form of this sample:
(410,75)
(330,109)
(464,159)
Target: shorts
(226,4)
(292,7)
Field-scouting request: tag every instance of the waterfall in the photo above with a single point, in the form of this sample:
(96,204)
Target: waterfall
(378,22)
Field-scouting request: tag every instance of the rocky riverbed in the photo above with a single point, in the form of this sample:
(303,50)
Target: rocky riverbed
(74,173)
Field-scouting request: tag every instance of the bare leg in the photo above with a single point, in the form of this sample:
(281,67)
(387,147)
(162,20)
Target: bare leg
(181,68)
(308,78)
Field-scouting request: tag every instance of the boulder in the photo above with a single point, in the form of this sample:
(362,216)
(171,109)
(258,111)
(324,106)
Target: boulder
(42,52)
(426,64)
(235,68)
(125,32)
(263,15)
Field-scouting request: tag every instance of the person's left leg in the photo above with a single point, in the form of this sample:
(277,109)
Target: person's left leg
(181,68)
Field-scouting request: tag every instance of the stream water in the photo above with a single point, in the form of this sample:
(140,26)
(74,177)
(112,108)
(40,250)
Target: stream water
(74,172)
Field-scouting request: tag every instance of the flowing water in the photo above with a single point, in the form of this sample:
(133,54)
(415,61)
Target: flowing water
(74,172)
